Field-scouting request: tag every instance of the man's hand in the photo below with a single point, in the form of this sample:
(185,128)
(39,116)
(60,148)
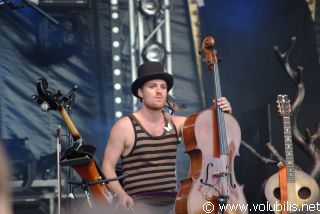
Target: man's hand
(224,105)
(126,201)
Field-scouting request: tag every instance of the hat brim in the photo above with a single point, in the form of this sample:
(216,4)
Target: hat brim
(138,83)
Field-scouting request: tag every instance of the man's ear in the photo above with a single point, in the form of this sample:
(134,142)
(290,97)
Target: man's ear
(140,92)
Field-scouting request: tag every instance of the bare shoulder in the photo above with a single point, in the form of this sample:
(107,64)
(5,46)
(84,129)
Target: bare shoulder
(121,132)
(121,129)
(179,121)
(122,124)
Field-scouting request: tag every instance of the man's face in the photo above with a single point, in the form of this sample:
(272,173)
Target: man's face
(154,94)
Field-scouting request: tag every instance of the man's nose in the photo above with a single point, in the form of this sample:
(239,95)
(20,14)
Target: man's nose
(159,90)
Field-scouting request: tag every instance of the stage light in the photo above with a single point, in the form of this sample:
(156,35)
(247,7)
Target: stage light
(118,114)
(115,44)
(117,72)
(61,38)
(115,15)
(117,86)
(149,7)
(116,58)
(59,41)
(114,2)
(153,52)
(117,100)
(115,30)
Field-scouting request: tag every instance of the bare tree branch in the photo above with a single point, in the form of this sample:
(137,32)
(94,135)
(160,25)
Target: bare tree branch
(258,155)
(295,76)
(275,152)
(307,141)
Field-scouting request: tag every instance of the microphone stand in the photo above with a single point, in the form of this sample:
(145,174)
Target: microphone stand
(33,6)
(58,135)
(69,171)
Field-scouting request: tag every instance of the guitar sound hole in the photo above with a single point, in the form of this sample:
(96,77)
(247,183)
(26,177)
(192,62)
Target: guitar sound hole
(276,193)
(304,193)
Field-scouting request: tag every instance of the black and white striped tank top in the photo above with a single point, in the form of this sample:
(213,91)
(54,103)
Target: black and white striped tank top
(150,165)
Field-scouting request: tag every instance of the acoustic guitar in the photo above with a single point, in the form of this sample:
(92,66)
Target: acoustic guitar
(301,189)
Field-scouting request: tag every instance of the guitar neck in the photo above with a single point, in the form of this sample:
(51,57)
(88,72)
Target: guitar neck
(67,120)
(291,178)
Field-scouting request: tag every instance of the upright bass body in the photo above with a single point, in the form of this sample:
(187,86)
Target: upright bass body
(208,174)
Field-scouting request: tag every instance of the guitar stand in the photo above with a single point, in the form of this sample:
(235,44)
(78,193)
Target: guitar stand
(85,186)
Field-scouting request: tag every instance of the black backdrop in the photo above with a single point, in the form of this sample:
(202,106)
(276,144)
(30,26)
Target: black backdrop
(251,75)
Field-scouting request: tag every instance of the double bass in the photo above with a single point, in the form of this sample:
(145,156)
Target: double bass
(212,140)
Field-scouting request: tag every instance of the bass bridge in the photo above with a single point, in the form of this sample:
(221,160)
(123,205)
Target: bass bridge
(218,174)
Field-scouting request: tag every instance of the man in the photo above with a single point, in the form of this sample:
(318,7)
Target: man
(5,196)
(146,141)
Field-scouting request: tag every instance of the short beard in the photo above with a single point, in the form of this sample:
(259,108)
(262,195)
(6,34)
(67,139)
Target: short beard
(155,107)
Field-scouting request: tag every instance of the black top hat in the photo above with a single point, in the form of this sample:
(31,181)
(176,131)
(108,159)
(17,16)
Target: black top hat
(149,71)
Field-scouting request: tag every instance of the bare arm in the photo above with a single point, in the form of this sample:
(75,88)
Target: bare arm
(114,148)
(179,121)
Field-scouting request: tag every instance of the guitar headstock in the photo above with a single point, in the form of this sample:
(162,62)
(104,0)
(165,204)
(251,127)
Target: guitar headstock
(283,105)
(52,100)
